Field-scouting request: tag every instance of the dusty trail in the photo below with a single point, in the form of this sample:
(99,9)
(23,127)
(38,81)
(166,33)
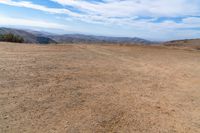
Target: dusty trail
(92,88)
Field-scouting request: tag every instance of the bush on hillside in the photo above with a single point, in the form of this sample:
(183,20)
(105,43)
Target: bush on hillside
(11,38)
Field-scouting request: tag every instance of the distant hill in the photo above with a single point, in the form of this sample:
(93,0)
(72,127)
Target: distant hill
(193,43)
(186,42)
(27,36)
(79,38)
(30,36)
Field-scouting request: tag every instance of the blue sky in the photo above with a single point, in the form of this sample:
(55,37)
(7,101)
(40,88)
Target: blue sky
(149,19)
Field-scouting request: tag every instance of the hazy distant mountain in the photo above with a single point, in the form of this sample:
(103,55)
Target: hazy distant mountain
(79,38)
(29,37)
(46,38)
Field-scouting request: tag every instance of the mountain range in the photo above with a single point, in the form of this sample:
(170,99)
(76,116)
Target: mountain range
(30,36)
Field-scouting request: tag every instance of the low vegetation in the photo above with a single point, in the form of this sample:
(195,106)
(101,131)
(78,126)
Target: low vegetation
(11,38)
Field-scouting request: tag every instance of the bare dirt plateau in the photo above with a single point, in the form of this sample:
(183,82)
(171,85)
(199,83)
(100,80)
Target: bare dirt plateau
(99,89)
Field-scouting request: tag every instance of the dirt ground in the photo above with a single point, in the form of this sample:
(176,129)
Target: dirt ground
(98,89)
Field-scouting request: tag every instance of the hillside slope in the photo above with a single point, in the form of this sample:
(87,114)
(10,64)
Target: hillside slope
(192,43)
(27,36)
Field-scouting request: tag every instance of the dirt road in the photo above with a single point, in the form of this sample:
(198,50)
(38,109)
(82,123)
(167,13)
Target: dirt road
(92,88)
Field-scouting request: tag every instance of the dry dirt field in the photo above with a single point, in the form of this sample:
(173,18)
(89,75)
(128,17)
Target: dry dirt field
(99,89)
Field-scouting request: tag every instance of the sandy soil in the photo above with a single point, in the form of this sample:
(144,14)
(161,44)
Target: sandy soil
(98,89)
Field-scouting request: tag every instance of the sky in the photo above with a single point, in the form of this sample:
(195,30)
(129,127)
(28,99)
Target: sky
(158,20)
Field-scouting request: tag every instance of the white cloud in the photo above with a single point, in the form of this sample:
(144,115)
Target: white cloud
(127,8)
(117,11)
(38,7)
(8,21)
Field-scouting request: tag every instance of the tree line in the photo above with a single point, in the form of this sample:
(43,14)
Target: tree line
(11,38)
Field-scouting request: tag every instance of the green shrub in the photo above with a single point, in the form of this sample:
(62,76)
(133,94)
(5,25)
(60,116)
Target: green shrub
(11,38)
